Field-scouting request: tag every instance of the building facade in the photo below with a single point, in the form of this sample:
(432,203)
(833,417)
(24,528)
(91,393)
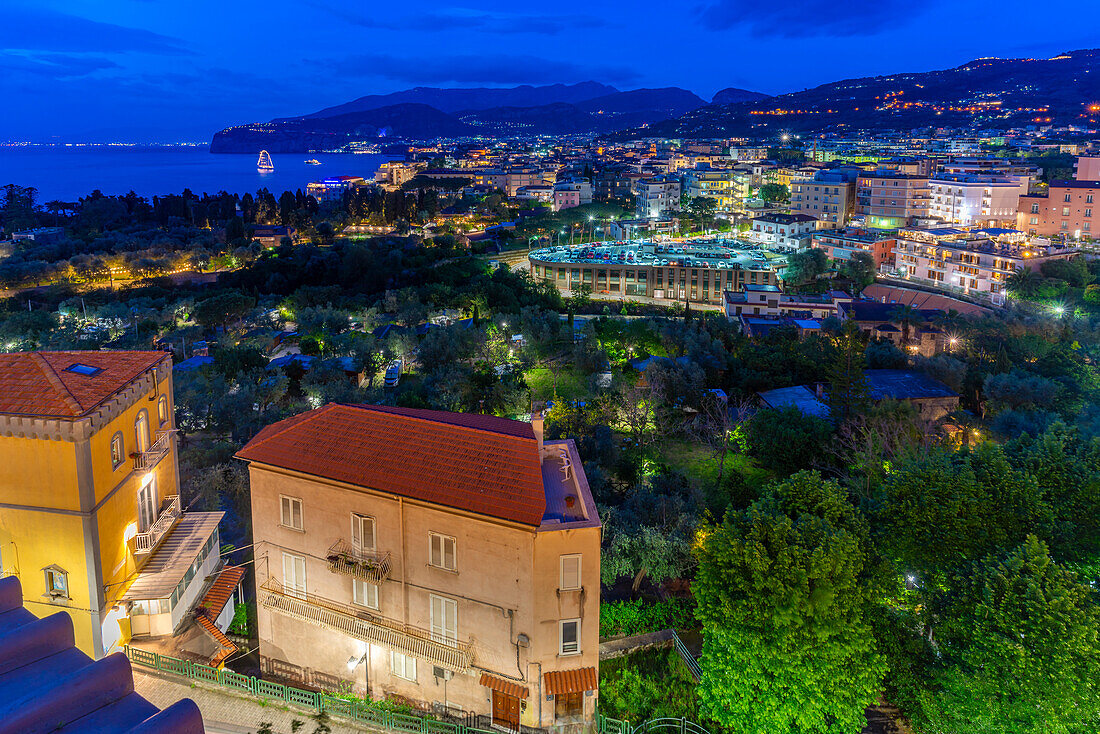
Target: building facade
(90,519)
(447,561)
(1067,209)
(888,200)
(968,200)
(840,244)
(783,230)
(828,196)
(657,197)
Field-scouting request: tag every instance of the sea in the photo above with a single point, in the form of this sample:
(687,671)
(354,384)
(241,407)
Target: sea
(67,173)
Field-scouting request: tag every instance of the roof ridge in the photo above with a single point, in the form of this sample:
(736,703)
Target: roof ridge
(368,406)
(55,380)
(289,423)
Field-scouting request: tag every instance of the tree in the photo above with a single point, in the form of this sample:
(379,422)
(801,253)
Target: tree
(775,192)
(700,207)
(786,440)
(783,593)
(1024,283)
(1019,650)
(847,391)
(805,265)
(860,269)
(908,317)
(222,310)
(577,301)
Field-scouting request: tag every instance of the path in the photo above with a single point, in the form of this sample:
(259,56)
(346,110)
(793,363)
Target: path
(224,712)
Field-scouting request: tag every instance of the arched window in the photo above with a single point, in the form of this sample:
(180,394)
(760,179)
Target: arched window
(162,409)
(141,431)
(118,450)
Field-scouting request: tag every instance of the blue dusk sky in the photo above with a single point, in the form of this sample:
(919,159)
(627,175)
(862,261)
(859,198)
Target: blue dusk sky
(168,70)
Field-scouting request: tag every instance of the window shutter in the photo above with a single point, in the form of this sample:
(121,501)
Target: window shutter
(356,532)
(449,553)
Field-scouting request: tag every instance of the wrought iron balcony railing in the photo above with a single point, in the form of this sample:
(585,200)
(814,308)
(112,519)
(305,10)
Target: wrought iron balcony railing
(147,541)
(371,566)
(150,457)
(365,626)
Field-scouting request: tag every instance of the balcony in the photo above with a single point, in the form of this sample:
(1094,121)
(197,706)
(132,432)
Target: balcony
(146,542)
(362,625)
(145,460)
(370,566)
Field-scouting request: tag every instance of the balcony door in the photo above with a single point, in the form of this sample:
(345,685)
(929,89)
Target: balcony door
(294,575)
(141,429)
(362,533)
(444,620)
(147,504)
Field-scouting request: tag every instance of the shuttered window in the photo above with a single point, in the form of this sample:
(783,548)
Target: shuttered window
(570,577)
(442,551)
(292,513)
(444,620)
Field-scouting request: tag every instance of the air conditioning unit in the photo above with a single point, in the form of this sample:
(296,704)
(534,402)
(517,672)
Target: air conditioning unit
(441,673)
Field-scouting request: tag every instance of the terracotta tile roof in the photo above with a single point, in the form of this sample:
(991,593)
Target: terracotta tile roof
(217,596)
(227,647)
(40,383)
(507,687)
(477,463)
(570,681)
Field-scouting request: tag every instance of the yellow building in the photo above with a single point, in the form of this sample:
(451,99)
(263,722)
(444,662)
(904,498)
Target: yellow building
(89,499)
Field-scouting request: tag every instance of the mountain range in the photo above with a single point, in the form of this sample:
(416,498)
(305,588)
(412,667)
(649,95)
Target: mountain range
(987,92)
(428,112)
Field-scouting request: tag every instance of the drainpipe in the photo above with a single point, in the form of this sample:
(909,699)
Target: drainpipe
(404,572)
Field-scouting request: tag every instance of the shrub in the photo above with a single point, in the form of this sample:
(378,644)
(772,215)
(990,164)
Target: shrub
(637,617)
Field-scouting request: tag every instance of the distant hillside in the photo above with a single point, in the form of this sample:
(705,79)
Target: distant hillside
(483,98)
(986,92)
(414,121)
(733,95)
(668,101)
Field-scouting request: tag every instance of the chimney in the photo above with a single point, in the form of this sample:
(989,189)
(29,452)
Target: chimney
(536,426)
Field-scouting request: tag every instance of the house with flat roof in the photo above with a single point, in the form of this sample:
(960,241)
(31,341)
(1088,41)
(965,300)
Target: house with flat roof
(447,561)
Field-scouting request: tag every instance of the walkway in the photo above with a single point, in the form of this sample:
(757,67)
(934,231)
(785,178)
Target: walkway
(226,713)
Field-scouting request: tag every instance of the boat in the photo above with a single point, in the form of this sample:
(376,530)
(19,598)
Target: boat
(264,164)
(313,162)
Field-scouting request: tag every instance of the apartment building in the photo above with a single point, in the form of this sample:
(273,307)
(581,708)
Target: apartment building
(392,175)
(90,518)
(1067,209)
(828,196)
(1087,168)
(333,188)
(656,197)
(570,194)
(783,230)
(972,261)
(969,200)
(447,561)
(728,187)
(841,244)
(888,200)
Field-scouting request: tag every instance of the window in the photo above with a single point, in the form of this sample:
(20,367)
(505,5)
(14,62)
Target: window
(294,575)
(291,516)
(403,666)
(364,594)
(570,577)
(1066,198)
(1088,199)
(1088,212)
(1065,211)
(118,450)
(444,620)
(141,431)
(570,637)
(162,410)
(362,533)
(57,582)
(442,553)
(147,504)
(83,369)
(1034,208)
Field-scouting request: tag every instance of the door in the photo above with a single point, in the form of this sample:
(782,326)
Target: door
(147,504)
(362,534)
(294,575)
(444,620)
(141,429)
(505,711)
(568,706)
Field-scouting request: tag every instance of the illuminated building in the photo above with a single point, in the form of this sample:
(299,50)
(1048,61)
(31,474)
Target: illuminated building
(1068,209)
(887,199)
(967,200)
(447,560)
(333,188)
(828,195)
(90,518)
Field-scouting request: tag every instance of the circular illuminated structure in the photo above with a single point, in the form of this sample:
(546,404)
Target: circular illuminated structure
(695,271)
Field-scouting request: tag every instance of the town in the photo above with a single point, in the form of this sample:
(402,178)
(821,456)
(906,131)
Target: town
(339,394)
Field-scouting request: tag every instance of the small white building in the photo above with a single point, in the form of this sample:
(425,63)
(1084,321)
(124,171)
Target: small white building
(783,230)
(657,197)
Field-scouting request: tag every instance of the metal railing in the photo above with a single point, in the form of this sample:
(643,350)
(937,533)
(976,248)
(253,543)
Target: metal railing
(147,541)
(362,625)
(371,566)
(689,659)
(379,714)
(9,571)
(150,457)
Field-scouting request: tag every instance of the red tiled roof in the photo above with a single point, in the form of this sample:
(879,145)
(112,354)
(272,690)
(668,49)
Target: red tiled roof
(470,462)
(570,681)
(506,687)
(39,383)
(227,647)
(217,596)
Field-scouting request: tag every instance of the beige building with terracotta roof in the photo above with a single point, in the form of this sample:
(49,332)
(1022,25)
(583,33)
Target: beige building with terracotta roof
(445,560)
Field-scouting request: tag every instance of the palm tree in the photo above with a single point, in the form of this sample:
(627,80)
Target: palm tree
(907,316)
(1024,283)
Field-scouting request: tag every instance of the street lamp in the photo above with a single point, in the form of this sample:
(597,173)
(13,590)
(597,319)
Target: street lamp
(355,660)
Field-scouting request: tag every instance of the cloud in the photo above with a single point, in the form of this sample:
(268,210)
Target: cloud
(450,19)
(496,70)
(52,65)
(36,29)
(807,18)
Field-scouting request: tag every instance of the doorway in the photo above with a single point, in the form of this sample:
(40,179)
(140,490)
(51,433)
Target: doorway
(505,711)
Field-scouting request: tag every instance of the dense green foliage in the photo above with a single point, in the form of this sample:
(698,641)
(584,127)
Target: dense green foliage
(651,683)
(636,617)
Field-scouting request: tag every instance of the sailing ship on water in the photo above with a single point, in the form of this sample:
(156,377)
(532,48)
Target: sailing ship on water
(264,164)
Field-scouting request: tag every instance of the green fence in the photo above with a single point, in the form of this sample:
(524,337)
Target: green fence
(363,711)
(605,725)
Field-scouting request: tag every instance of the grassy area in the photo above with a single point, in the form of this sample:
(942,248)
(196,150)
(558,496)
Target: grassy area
(568,383)
(647,684)
(699,462)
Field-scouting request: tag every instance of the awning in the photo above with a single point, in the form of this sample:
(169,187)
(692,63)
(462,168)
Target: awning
(570,681)
(507,687)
